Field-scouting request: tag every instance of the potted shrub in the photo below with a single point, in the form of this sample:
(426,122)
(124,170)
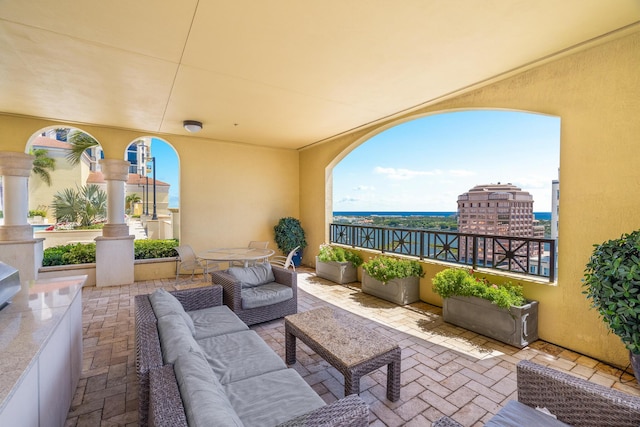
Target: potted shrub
(288,235)
(338,264)
(612,284)
(500,312)
(393,279)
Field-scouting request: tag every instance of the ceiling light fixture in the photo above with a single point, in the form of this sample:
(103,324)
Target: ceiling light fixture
(192,125)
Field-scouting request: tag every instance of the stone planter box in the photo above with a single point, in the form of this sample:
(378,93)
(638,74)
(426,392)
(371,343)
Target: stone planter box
(400,291)
(339,272)
(517,326)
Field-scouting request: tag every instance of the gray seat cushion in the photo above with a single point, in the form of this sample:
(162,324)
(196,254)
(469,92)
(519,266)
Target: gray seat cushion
(239,355)
(175,337)
(276,397)
(253,276)
(260,296)
(213,321)
(164,303)
(516,414)
(204,399)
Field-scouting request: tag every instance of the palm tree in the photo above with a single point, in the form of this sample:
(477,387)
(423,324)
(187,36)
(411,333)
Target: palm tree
(80,142)
(130,200)
(43,164)
(84,206)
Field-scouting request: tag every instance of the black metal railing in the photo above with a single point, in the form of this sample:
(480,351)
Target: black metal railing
(524,255)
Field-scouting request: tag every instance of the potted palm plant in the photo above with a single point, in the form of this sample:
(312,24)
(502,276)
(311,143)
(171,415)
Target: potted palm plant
(338,264)
(497,311)
(612,284)
(393,279)
(289,234)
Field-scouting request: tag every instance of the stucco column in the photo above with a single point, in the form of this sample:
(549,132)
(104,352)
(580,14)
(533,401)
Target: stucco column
(116,173)
(18,248)
(15,169)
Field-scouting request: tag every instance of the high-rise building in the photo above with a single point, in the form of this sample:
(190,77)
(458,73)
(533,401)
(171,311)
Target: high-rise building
(499,210)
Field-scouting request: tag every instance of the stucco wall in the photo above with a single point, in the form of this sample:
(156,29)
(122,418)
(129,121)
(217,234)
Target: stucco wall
(596,93)
(229,193)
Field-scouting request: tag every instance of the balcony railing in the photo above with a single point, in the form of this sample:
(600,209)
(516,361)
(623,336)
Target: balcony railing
(523,255)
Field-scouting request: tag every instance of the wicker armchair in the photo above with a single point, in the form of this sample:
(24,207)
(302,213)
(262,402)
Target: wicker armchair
(573,400)
(232,297)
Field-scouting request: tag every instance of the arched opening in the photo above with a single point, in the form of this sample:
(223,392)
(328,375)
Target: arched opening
(152,191)
(65,175)
(416,173)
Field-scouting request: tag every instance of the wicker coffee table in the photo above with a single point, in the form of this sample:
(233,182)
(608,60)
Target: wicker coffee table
(352,349)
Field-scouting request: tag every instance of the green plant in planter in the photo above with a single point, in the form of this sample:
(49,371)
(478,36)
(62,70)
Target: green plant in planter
(459,282)
(384,268)
(289,234)
(330,253)
(612,283)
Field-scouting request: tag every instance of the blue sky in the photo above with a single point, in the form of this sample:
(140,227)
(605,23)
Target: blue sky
(167,168)
(424,164)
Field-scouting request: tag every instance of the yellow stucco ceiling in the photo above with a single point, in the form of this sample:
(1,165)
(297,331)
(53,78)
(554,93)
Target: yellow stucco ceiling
(282,73)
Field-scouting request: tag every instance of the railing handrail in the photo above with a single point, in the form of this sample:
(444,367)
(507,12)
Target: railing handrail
(523,255)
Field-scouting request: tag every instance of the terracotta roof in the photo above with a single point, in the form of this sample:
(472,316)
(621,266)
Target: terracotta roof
(134,178)
(44,142)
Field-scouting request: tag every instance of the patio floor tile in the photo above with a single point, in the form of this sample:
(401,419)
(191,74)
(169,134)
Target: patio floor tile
(446,370)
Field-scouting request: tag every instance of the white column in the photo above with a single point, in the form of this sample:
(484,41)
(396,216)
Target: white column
(116,173)
(18,248)
(15,169)
(115,247)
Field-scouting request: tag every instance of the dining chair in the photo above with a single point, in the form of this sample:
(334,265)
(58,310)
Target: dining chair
(284,262)
(187,260)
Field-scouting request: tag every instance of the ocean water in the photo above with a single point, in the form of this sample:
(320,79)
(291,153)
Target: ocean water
(538,215)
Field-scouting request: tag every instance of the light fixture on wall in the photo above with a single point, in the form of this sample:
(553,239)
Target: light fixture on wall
(192,126)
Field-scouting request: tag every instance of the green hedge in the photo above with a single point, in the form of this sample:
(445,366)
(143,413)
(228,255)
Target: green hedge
(80,253)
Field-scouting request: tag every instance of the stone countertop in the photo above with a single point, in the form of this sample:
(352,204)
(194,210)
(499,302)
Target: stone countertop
(27,323)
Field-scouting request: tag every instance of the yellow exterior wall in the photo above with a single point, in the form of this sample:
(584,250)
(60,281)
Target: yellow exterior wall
(229,193)
(596,93)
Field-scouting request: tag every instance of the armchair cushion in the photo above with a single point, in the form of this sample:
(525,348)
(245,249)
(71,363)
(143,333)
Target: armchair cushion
(269,294)
(164,303)
(256,275)
(516,414)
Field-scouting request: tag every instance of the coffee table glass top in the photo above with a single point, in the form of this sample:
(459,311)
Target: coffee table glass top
(341,335)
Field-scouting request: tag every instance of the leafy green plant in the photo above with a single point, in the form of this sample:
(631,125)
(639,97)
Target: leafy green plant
(330,253)
(384,268)
(85,206)
(37,212)
(289,234)
(149,249)
(460,282)
(86,253)
(612,283)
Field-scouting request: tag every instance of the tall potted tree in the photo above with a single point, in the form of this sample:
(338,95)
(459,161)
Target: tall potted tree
(612,284)
(289,234)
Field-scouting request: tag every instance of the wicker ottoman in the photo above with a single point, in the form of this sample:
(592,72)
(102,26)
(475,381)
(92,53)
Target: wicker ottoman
(354,350)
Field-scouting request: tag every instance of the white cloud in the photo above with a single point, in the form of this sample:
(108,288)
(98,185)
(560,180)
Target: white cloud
(364,188)
(395,173)
(461,172)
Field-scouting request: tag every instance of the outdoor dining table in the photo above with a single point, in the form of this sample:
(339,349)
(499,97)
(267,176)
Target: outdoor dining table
(245,255)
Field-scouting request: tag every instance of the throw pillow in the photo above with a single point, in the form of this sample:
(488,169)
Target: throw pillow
(253,276)
(164,303)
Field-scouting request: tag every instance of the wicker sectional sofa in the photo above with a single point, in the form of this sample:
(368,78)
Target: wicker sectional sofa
(574,401)
(199,364)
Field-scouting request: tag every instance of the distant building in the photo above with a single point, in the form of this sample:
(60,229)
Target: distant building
(498,209)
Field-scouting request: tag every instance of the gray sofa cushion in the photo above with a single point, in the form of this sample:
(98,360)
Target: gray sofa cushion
(204,399)
(175,337)
(239,355)
(213,321)
(276,397)
(516,414)
(253,276)
(259,296)
(164,303)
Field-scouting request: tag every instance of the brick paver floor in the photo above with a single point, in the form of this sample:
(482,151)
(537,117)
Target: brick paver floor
(446,370)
